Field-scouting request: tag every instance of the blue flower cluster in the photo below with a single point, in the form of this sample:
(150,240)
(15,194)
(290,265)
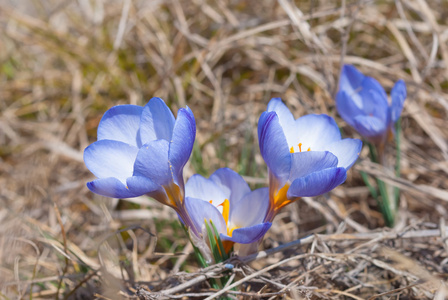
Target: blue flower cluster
(143,150)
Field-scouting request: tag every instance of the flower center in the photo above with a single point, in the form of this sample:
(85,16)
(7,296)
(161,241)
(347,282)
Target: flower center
(291,150)
(224,209)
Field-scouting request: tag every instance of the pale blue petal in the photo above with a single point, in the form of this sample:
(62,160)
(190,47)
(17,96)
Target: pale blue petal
(370,127)
(247,235)
(111,187)
(231,183)
(250,210)
(273,146)
(200,210)
(284,114)
(304,163)
(347,151)
(316,131)
(106,158)
(157,121)
(121,123)
(317,183)
(205,189)
(398,95)
(181,145)
(152,162)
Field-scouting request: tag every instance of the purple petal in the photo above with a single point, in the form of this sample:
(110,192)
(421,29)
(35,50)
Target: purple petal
(106,158)
(141,185)
(317,183)
(347,108)
(121,123)
(273,146)
(200,210)
(347,151)
(371,84)
(247,235)
(370,127)
(351,79)
(111,187)
(251,210)
(205,189)
(304,163)
(316,131)
(181,145)
(398,95)
(231,183)
(157,121)
(374,100)
(152,162)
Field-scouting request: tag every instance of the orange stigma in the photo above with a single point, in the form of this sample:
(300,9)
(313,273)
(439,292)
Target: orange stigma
(300,147)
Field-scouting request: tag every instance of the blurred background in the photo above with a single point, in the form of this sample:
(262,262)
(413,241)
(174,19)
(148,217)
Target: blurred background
(64,63)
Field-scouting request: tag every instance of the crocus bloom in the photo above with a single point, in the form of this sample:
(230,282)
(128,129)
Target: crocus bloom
(362,103)
(142,150)
(225,198)
(305,157)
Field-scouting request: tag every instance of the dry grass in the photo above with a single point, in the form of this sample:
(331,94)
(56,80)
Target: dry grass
(63,63)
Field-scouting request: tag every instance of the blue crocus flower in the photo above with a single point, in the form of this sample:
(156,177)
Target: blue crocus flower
(305,157)
(142,150)
(362,103)
(226,199)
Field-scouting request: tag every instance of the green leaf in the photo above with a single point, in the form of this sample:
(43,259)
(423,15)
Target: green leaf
(213,244)
(221,246)
(398,160)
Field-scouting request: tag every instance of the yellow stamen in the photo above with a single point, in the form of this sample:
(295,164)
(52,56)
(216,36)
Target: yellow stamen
(211,201)
(309,149)
(291,150)
(225,210)
(300,147)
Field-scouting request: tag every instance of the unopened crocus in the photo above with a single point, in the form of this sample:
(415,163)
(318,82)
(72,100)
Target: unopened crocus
(305,157)
(362,103)
(142,150)
(226,200)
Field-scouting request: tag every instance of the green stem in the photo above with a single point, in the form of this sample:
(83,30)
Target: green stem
(398,160)
(369,185)
(373,153)
(383,201)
